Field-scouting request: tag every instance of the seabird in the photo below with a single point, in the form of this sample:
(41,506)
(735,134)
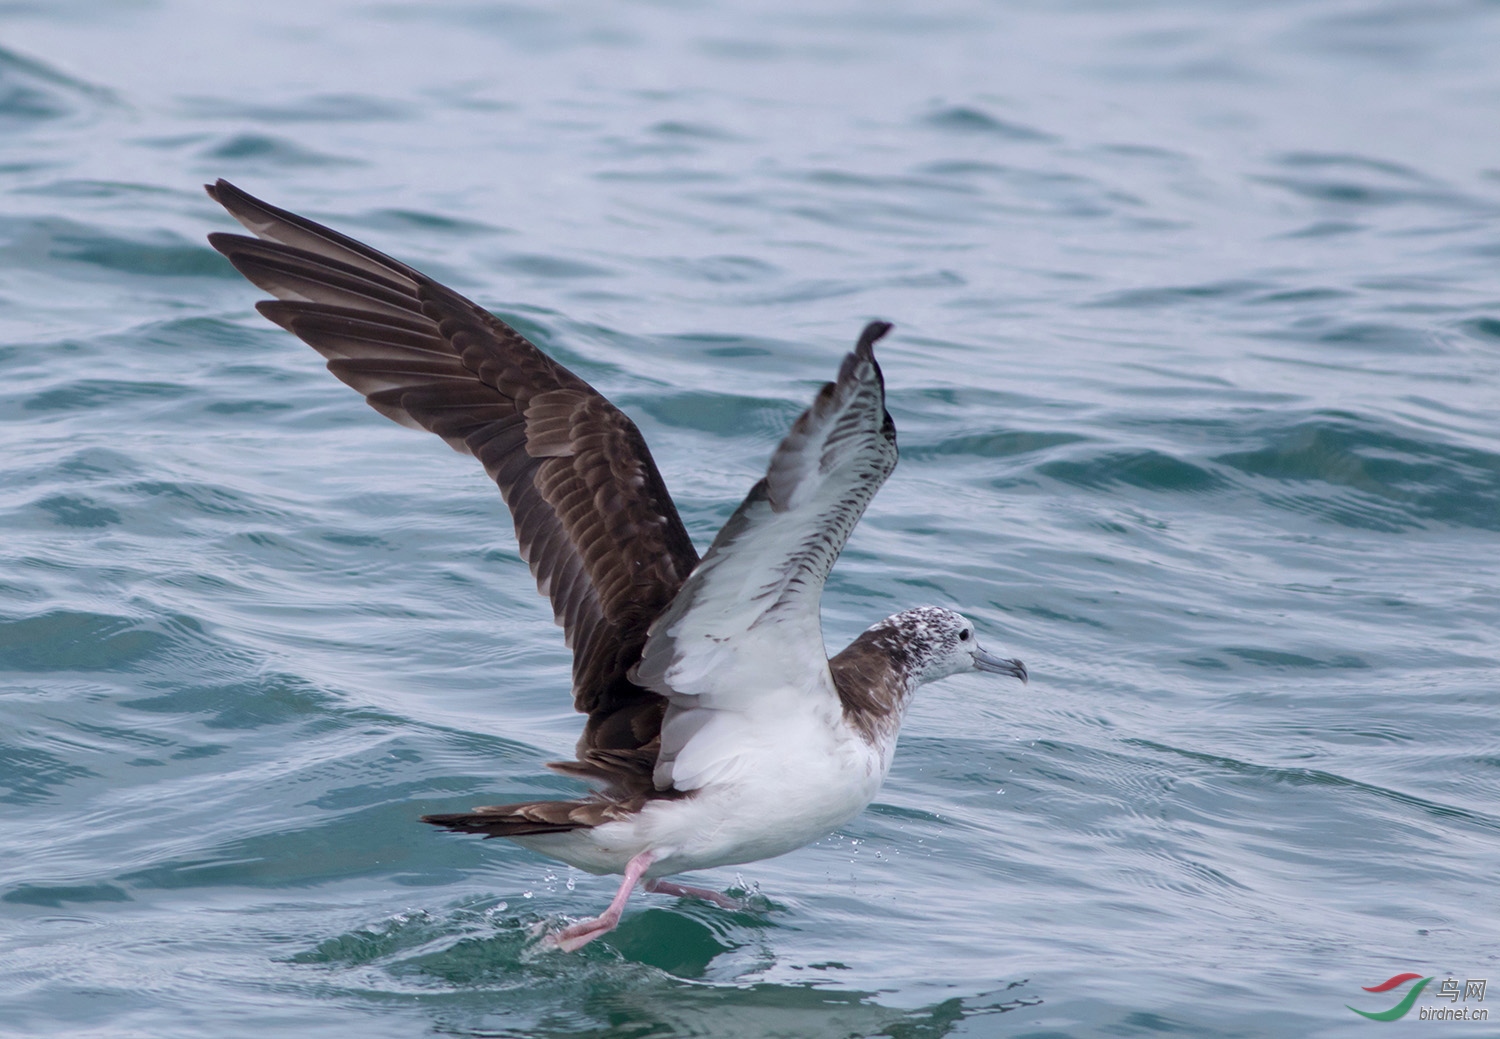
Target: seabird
(719,731)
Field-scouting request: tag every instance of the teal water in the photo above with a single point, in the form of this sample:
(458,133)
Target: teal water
(1197,376)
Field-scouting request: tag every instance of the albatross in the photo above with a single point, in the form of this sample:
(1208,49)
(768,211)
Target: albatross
(718,729)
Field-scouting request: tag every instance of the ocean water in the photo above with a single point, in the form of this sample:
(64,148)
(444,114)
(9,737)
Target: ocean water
(1196,370)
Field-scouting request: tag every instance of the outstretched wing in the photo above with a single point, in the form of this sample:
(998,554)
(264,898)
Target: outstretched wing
(592,515)
(745,630)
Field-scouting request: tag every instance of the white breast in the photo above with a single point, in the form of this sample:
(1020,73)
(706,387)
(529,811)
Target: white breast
(765,782)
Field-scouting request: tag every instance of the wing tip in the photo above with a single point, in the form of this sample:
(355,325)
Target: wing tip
(873,333)
(221,191)
(862,354)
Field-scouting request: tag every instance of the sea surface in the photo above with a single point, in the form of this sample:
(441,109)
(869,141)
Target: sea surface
(1196,370)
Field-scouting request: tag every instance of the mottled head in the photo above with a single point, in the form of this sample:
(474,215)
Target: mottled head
(934,643)
(877,673)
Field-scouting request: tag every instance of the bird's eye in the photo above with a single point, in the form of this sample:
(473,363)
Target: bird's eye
(963,636)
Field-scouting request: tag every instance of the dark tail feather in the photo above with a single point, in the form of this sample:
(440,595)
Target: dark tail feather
(528,817)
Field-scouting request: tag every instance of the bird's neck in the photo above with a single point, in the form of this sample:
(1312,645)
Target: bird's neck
(874,683)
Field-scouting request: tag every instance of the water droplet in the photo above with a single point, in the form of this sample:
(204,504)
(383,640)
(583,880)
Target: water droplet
(525,894)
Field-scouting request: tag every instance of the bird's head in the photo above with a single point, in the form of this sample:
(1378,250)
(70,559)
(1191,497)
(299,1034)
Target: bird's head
(938,642)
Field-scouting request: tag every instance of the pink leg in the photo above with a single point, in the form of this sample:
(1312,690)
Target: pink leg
(585,931)
(666,887)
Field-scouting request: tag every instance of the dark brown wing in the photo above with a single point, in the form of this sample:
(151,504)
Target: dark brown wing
(593,517)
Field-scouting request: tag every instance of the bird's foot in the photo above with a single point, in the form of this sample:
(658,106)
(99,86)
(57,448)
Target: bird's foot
(667,887)
(576,936)
(580,934)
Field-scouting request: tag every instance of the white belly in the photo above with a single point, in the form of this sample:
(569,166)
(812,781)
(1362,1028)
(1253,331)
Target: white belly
(774,788)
